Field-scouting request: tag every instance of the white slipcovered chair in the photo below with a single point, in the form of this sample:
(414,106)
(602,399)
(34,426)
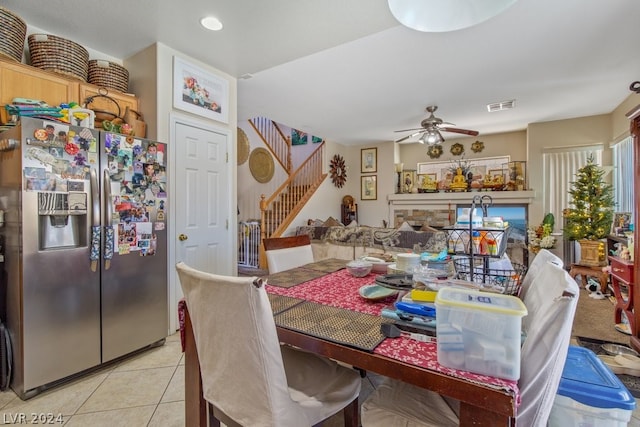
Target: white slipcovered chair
(285,253)
(541,259)
(247,376)
(551,301)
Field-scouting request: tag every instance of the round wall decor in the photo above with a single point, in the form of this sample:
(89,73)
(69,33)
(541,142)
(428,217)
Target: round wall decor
(261,165)
(338,171)
(243,146)
(434,151)
(477,146)
(457,149)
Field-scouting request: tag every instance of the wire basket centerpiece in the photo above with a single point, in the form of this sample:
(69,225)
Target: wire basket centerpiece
(497,277)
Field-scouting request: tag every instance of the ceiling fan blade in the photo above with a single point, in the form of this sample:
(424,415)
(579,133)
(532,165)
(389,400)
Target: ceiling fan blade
(458,130)
(404,138)
(407,130)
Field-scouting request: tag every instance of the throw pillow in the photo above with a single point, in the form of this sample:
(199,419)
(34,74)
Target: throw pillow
(332,222)
(405,226)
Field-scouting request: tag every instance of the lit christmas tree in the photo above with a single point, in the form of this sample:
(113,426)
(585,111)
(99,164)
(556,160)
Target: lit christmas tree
(592,206)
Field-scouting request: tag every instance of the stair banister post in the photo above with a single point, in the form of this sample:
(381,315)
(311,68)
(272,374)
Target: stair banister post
(262,257)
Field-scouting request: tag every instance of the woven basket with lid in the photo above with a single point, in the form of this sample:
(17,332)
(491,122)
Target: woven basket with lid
(109,75)
(59,55)
(13,31)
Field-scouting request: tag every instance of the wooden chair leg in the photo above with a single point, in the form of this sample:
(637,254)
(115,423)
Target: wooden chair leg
(352,414)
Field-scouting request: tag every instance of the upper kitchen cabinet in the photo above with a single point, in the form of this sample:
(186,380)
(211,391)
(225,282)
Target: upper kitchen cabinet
(23,81)
(106,100)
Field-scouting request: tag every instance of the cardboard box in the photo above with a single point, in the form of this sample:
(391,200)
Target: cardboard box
(479,331)
(590,394)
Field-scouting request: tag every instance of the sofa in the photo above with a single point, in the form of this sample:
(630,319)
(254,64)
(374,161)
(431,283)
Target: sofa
(351,242)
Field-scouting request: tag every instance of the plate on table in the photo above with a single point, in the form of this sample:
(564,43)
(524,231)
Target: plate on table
(375,292)
(398,282)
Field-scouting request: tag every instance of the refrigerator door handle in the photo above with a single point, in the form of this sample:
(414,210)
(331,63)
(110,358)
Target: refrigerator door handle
(108,227)
(94,253)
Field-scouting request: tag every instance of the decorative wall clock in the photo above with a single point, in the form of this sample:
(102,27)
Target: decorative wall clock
(338,171)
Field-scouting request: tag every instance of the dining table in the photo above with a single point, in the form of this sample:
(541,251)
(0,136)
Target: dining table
(318,307)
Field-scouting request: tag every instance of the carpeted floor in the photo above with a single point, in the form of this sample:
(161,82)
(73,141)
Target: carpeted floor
(594,320)
(593,326)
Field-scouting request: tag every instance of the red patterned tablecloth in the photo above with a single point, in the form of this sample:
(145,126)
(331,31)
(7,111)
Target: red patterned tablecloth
(340,289)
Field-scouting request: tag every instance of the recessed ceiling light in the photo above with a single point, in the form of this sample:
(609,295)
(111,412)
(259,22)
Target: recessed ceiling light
(211,23)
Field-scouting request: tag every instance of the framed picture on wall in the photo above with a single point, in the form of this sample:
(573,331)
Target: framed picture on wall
(368,160)
(298,137)
(621,223)
(409,177)
(368,187)
(200,92)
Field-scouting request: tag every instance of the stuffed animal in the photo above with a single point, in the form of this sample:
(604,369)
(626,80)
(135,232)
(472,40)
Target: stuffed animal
(593,286)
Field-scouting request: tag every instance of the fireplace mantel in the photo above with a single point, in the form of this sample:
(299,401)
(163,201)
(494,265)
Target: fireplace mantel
(440,198)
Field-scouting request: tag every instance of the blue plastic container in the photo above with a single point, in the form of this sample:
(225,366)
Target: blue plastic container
(589,394)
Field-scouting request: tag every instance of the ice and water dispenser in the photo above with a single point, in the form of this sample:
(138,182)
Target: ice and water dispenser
(62,220)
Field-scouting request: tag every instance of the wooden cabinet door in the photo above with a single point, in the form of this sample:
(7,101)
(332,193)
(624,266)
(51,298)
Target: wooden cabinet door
(90,94)
(23,81)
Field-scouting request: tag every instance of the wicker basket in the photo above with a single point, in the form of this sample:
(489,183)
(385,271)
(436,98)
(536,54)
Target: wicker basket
(109,75)
(59,55)
(13,31)
(496,280)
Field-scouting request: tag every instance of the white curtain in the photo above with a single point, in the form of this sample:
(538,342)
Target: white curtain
(560,168)
(623,175)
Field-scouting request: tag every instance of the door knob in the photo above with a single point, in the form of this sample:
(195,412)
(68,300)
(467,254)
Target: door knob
(183,237)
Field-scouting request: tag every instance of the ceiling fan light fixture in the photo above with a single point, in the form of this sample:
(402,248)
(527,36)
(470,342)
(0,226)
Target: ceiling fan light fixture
(436,16)
(431,137)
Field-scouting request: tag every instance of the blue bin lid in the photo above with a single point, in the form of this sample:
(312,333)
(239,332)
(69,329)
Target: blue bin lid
(586,379)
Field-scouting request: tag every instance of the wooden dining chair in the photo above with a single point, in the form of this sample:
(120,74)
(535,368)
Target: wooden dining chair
(551,304)
(247,376)
(285,253)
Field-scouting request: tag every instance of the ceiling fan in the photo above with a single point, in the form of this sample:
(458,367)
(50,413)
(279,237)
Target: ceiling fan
(431,128)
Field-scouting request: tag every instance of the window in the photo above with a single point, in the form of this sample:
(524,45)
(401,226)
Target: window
(560,167)
(623,175)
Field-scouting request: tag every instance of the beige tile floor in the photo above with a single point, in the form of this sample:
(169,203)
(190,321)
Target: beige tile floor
(145,390)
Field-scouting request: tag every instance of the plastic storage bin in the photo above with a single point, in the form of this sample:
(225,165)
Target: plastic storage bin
(479,331)
(590,395)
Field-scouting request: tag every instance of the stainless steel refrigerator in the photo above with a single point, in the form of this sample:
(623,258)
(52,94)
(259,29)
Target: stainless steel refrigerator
(85,216)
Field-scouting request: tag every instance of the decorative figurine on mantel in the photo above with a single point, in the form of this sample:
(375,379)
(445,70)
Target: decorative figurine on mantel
(428,185)
(459,182)
(493,182)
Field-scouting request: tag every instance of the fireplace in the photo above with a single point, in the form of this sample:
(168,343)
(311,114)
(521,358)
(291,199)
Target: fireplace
(439,210)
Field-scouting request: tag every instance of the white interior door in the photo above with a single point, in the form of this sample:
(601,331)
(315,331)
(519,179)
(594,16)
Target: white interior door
(202,237)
